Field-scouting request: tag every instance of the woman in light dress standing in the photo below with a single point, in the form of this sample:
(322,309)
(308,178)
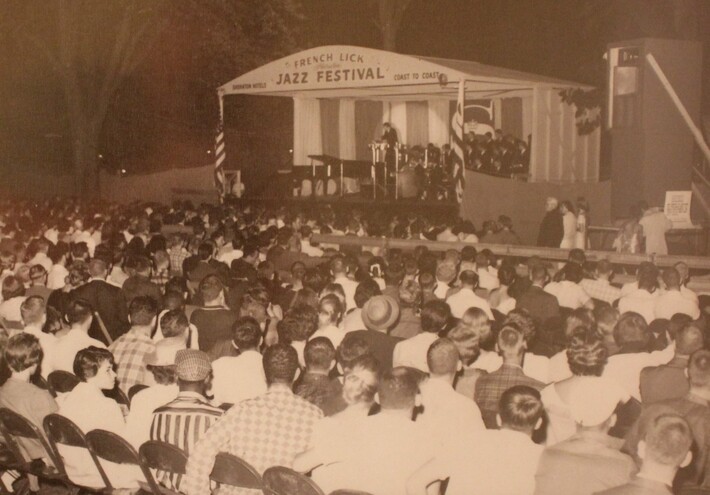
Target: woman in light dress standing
(581,240)
(569,224)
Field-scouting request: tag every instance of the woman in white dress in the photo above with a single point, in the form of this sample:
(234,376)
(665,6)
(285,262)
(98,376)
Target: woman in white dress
(569,223)
(581,239)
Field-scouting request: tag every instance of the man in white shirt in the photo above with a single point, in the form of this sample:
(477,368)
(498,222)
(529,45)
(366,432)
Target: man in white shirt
(655,224)
(241,377)
(447,414)
(339,270)
(378,453)
(412,352)
(568,292)
(466,298)
(684,272)
(80,316)
(487,275)
(643,299)
(306,247)
(13,295)
(58,272)
(34,315)
(491,462)
(445,274)
(672,301)
(40,257)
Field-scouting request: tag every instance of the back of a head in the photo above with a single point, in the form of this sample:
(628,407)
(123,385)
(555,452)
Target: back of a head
(22,351)
(246,333)
(631,329)
(351,348)
(671,278)
(648,279)
(397,389)
(12,287)
(668,440)
(319,354)
(434,316)
(337,266)
(699,369)
(573,272)
(394,274)
(365,290)
(205,250)
(410,294)
(469,278)
(538,274)
(586,353)
(604,267)
(210,288)
(361,380)
(32,309)
(98,268)
(142,310)
(427,281)
(521,318)
(577,256)
(606,318)
(442,357)
(510,341)
(299,323)
(174,323)
(79,311)
(280,364)
(688,340)
(520,408)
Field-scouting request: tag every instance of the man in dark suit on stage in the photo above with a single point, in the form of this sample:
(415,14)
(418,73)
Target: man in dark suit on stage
(107,300)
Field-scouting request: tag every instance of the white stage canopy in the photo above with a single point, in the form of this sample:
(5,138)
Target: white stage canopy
(342,95)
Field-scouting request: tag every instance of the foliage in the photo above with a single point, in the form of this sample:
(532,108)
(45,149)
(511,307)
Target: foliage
(588,115)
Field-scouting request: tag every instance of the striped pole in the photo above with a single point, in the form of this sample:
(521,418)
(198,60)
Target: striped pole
(457,123)
(219,153)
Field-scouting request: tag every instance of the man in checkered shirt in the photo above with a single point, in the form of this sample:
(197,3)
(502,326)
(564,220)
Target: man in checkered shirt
(269,430)
(130,349)
(600,288)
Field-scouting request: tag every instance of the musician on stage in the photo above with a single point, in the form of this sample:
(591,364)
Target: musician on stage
(389,136)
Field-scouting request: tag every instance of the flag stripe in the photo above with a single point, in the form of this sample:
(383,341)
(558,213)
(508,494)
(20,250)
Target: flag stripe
(457,123)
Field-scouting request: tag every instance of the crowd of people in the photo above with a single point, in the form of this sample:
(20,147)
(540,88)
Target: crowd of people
(385,371)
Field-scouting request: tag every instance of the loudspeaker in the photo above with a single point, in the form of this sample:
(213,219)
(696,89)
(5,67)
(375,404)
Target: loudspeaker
(651,146)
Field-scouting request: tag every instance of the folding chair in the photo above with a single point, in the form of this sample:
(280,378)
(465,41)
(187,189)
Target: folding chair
(14,426)
(164,457)
(281,480)
(61,382)
(119,396)
(63,431)
(111,447)
(230,470)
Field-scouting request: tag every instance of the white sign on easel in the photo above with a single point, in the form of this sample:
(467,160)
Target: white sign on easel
(677,208)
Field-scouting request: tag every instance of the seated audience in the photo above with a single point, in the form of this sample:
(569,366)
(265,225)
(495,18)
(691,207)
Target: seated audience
(599,287)
(268,430)
(568,291)
(213,320)
(466,298)
(330,313)
(412,352)
(34,316)
(671,301)
(79,316)
(315,384)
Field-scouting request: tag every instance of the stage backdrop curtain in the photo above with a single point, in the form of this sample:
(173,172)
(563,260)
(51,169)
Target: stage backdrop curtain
(439,122)
(330,119)
(512,117)
(368,126)
(417,123)
(346,129)
(398,119)
(307,138)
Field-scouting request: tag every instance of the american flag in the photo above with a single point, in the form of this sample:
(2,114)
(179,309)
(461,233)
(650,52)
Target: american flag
(457,123)
(219,156)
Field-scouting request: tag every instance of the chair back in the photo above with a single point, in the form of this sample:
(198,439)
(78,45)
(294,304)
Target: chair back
(281,480)
(349,492)
(63,431)
(111,447)
(118,395)
(38,381)
(14,425)
(61,382)
(135,389)
(163,456)
(231,470)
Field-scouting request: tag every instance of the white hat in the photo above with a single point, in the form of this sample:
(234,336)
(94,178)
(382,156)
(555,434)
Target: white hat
(592,401)
(165,350)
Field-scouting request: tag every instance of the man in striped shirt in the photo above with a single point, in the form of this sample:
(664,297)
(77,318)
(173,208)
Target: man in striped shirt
(183,421)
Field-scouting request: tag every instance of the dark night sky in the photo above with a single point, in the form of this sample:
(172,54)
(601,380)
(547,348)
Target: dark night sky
(158,107)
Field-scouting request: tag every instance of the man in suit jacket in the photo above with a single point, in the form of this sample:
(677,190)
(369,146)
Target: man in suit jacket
(541,305)
(106,300)
(669,381)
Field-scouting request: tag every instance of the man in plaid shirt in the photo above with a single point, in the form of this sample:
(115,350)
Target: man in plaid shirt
(269,430)
(177,253)
(490,388)
(600,288)
(130,349)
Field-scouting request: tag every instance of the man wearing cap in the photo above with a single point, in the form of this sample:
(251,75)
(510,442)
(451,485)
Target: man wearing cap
(591,460)
(184,421)
(269,430)
(466,297)
(213,320)
(380,314)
